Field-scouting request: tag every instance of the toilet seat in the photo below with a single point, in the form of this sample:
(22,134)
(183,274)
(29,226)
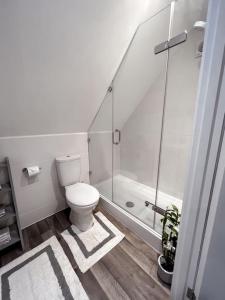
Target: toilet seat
(81,194)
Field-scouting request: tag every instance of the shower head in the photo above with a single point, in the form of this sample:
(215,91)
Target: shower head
(199,25)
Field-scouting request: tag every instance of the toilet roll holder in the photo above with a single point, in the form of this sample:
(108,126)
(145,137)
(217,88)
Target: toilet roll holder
(25,171)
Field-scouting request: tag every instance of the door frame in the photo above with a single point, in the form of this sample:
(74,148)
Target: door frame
(204,158)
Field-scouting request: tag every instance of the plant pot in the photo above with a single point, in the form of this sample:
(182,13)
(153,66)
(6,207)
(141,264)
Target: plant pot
(164,275)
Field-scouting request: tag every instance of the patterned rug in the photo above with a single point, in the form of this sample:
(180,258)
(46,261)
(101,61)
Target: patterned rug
(90,246)
(42,273)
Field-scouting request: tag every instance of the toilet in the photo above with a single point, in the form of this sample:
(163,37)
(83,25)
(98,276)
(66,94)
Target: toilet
(82,198)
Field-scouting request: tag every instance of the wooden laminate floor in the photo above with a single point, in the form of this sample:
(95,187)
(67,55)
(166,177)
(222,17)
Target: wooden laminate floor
(128,271)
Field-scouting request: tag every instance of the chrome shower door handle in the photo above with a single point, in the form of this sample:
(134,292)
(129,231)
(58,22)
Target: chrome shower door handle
(116,132)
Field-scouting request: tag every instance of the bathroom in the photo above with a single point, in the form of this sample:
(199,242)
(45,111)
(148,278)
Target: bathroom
(111,115)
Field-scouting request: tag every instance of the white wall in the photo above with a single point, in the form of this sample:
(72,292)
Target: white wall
(42,196)
(140,142)
(57,59)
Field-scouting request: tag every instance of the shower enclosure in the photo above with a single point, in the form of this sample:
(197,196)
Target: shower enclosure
(140,139)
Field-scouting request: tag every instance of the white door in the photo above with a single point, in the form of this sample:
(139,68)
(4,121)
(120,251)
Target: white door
(205,180)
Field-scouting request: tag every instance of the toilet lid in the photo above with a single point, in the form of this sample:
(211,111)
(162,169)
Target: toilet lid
(81,194)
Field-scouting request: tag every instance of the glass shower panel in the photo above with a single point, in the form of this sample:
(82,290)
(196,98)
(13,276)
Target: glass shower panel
(182,82)
(100,149)
(138,100)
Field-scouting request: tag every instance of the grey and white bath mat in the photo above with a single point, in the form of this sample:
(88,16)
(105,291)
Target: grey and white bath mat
(90,246)
(42,273)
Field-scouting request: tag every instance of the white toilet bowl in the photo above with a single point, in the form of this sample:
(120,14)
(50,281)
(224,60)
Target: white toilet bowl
(82,198)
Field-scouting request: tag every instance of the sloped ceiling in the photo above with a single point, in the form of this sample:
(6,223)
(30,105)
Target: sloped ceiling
(57,59)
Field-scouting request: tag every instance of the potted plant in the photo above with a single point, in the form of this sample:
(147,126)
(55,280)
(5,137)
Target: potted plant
(170,222)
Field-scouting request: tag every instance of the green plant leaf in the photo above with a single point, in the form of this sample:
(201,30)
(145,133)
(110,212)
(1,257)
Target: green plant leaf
(174,207)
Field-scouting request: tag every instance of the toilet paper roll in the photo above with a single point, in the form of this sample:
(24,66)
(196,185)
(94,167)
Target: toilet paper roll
(32,171)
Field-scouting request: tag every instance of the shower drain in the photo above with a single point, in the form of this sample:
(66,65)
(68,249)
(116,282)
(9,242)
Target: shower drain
(130,204)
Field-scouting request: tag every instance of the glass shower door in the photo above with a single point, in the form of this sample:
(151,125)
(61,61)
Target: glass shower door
(140,139)
(100,148)
(138,102)
(181,92)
